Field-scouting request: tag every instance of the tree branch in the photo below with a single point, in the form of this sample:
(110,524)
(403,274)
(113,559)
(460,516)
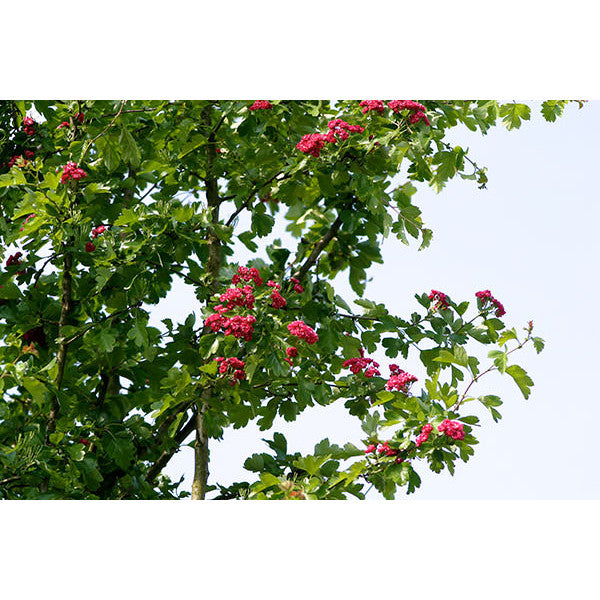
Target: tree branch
(166,455)
(319,247)
(254,191)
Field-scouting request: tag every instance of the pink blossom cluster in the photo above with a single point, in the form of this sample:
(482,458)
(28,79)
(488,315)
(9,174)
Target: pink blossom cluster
(399,379)
(303,331)
(486,295)
(376,105)
(441,300)
(246,274)
(28,126)
(313,143)
(261,105)
(277,300)
(240,327)
(452,429)
(342,130)
(385,448)
(356,365)
(424,435)
(98,230)
(417,109)
(297,287)
(72,171)
(237,326)
(235,296)
(233,366)
(291,352)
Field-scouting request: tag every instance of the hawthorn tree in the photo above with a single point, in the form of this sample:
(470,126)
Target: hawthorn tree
(104,204)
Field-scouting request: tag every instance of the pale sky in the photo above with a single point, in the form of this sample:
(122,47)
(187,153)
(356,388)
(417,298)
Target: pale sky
(530,238)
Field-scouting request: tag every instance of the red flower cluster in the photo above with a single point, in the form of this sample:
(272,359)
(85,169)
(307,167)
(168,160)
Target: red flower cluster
(72,171)
(238,326)
(486,295)
(234,366)
(63,124)
(297,287)
(273,284)
(27,219)
(424,435)
(291,352)
(385,448)
(90,247)
(235,296)
(418,110)
(80,117)
(98,230)
(28,127)
(356,365)
(313,143)
(441,300)
(303,331)
(261,105)
(278,301)
(370,448)
(376,105)
(340,129)
(452,429)
(14,260)
(29,154)
(399,379)
(246,274)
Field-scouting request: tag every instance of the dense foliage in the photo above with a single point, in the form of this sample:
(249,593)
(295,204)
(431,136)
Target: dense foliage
(104,204)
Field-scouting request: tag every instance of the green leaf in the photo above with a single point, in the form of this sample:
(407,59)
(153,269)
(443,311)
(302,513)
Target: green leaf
(129,148)
(538,344)
(500,359)
(513,113)
(262,224)
(247,238)
(371,423)
(509,334)
(88,468)
(36,388)
(119,447)
(111,157)
(210,368)
(107,340)
(521,379)
(310,464)
(255,463)
(551,109)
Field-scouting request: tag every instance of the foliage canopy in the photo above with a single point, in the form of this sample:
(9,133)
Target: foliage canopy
(104,204)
